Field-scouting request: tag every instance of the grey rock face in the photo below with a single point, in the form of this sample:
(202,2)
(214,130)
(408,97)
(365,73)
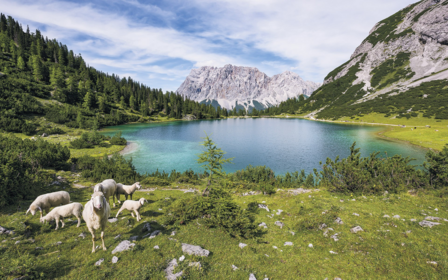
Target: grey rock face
(194,250)
(230,84)
(252,277)
(99,262)
(429,224)
(356,229)
(114,259)
(123,246)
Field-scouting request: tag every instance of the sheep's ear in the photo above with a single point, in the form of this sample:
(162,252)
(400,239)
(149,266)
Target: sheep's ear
(142,202)
(104,201)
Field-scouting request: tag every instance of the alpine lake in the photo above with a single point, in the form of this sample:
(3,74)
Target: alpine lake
(284,145)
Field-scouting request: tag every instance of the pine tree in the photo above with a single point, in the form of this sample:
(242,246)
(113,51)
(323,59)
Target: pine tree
(79,119)
(88,100)
(37,68)
(132,102)
(101,104)
(212,158)
(20,63)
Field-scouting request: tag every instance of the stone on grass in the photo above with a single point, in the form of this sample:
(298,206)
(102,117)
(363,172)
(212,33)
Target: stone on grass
(429,224)
(322,226)
(133,238)
(17,242)
(334,253)
(288,243)
(263,206)
(83,235)
(154,234)
(146,227)
(279,211)
(413,220)
(182,258)
(386,216)
(195,264)
(252,277)
(396,217)
(59,243)
(338,221)
(356,214)
(280,224)
(326,231)
(275,247)
(156,247)
(310,245)
(430,218)
(292,232)
(242,245)
(335,237)
(234,267)
(170,269)
(114,259)
(194,250)
(263,224)
(118,236)
(99,262)
(356,229)
(112,220)
(173,233)
(123,246)
(432,262)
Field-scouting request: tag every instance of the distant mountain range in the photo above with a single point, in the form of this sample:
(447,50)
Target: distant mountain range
(243,87)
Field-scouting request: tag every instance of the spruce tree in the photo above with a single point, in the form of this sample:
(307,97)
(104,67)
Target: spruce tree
(20,63)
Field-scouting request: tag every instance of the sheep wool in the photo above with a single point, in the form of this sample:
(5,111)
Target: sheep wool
(46,201)
(132,205)
(95,214)
(61,212)
(126,190)
(108,188)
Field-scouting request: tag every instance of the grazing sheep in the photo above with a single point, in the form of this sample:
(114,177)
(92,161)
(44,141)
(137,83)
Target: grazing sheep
(61,212)
(108,188)
(45,201)
(132,205)
(95,214)
(126,190)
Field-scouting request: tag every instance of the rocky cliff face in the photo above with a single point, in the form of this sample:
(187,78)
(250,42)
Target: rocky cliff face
(234,86)
(401,52)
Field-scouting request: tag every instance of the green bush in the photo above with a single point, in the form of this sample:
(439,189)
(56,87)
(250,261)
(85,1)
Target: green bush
(437,168)
(117,139)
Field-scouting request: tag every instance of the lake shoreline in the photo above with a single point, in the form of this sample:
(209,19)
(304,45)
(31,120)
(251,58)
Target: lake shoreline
(130,147)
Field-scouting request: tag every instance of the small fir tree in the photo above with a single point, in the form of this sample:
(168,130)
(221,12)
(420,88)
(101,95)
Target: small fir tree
(212,159)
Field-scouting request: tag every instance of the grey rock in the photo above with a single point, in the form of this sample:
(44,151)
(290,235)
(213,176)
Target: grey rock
(182,258)
(114,259)
(335,237)
(263,224)
(99,262)
(280,224)
(194,250)
(44,135)
(59,243)
(430,218)
(338,221)
(356,229)
(195,264)
(83,235)
(355,214)
(242,245)
(133,238)
(231,84)
(288,243)
(123,246)
(279,211)
(386,216)
(118,236)
(156,247)
(263,206)
(146,227)
(112,220)
(252,277)
(234,267)
(39,248)
(17,242)
(429,224)
(173,233)
(292,232)
(154,234)
(334,253)
(396,217)
(413,220)
(169,271)
(322,226)
(326,231)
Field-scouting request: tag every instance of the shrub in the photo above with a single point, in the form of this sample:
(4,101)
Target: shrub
(117,139)
(437,167)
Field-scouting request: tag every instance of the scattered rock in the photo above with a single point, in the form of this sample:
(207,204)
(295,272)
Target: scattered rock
(156,247)
(146,227)
(59,243)
(123,246)
(112,220)
(173,233)
(429,224)
(275,247)
(280,224)
(356,229)
(279,211)
(133,238)
(299,191)
(17,242)
(432,262)
(356,214)
(263,206)
(242,245)
(252,277)
(436,209)
(114,259)
(408,231)
(413,220)
(234,267)
(386,216)
(118,236)
(196,264)
(396,217)
(263,224)
(39,248)
(154,234)
(338,221)
(322,226)
(326,231)
(5,231)
(170,269)
(44,134)
(99,262)
(292,232)
(335,237)
(182,258)
(310,245)
(430,218)
(334,253)
(341,200)
(194,250)
(288,243)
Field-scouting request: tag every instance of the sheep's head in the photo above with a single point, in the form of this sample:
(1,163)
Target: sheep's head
(44,219)
(33,208)
(138,185)
(142,200)
(98,200)
(98,188)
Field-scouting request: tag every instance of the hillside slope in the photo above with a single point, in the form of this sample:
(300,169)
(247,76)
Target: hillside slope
(399,70)
(245,87)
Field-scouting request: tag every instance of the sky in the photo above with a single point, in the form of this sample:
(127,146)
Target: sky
(158,42)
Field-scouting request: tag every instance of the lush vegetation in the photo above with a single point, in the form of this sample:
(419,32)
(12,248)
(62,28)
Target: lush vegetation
(391,71)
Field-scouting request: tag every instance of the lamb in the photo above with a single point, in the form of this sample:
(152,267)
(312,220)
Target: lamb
(61,212)
(95,214)
(108,188)
(126,190)
(45,201)
(132,205)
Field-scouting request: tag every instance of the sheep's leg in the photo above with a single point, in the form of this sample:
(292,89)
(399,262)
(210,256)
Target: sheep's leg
(113,199)
(102,239)
(126,196)
(121,209)
(93,240)
(79,221)
(138,215)
(132,214)
(118,198)
(62,222)
(57,223)
(40,213)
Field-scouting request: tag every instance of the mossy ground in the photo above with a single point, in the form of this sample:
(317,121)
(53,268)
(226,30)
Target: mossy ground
(384,250)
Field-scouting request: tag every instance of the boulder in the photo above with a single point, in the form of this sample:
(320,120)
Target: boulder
(170,269)
(194,250)
(242,245)
(263,206)
(429,224)
(114,259)
(99,262)
(356,229)
(123,246)
(280,224)
(338,221)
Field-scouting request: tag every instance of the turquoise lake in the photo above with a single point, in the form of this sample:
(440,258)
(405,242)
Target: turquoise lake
(281,144)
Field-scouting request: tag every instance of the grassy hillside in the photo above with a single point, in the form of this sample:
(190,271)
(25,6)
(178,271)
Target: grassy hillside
(387,248)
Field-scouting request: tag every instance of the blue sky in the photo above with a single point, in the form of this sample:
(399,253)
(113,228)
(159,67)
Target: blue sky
(159,42)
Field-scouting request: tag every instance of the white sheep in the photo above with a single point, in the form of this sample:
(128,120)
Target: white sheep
(61,212)
(45,201)
(95,214)
(126,190)
(108,188)
(132,205)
